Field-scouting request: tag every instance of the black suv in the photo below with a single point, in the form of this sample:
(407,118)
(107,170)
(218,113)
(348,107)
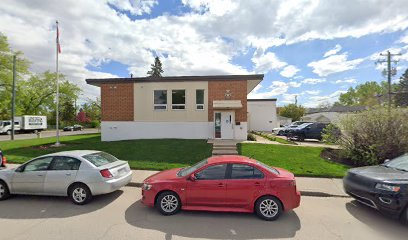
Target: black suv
(307,131)
(383,187)
(2,160)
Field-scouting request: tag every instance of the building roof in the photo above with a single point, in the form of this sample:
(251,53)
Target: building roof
(97,81)
(336,109)
(262,100)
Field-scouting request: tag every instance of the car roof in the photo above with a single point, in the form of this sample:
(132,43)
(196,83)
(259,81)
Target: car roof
(230,158)
(73,153)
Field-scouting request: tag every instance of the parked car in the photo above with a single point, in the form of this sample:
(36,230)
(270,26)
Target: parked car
(383,187)
(223,183)
(3,160)
(307,131)
(73,128)
(286,129)
(77,174)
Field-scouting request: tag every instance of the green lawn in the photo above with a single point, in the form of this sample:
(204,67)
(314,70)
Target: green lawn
(160,154)
(155,154)
(302,161)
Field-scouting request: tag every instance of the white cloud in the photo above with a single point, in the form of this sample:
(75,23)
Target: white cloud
(346,80)
(311,92)
(313,81)
(266,62)
(334,64)
(289,71)
(314,101)
(275,89)
(333,51)
(295,84)
(135,7)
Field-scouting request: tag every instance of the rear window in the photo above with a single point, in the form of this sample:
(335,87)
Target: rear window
(100,158)
(271,169)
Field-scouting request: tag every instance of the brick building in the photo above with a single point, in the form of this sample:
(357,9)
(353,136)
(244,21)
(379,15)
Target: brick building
(191,107)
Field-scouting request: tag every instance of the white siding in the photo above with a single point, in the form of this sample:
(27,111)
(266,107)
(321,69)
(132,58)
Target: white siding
(262,115)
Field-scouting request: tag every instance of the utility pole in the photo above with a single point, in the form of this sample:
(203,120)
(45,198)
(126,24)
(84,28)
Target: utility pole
(13,97)
(296,99)
(390,72)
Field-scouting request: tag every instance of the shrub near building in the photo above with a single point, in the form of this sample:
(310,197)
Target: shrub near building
(370,137)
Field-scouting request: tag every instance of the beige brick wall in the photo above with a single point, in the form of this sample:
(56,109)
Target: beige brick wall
(238,90)
(117,102)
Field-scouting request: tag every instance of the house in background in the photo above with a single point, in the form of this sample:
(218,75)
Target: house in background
(284,121)
(331,114)
(189,107)
(262,114)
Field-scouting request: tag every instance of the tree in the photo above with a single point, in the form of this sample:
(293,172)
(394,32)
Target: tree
(37,94)
(293,111)
(401,98)
(366,94)
(156,68)
(67,111)
(6,75)
(92,109)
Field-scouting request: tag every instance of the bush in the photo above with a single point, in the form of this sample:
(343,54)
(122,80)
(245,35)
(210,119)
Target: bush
(370,137)
(331,134)
(95,124)
(251,137)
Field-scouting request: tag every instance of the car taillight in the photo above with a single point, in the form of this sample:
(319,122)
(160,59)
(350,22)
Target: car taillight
(292,183)
(4,161)
(106,173)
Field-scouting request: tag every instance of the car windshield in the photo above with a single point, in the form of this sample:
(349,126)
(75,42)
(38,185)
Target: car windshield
(271,169)
(304,125)
(400,163)
(189,170)
(100,158)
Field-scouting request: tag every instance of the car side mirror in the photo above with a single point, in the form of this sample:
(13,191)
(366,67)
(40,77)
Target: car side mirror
(386,160)
(20,169)
(192,177)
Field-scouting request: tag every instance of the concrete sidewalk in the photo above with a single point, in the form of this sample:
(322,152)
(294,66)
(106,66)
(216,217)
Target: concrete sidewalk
(308,186)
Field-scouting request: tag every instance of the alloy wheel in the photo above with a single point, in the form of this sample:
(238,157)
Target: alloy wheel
(169,203)
(269,208)
(79,195)
(2,191)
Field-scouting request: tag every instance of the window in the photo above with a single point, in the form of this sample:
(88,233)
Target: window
(40,164)
(100,158)
(212,172)
(200,99)
(242,171)
(160,99)
(178,99)
(189,170)
(271,169)
(65,163)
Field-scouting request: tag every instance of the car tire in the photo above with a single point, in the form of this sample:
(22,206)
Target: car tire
(404,216)
(301,137)
(268,208)
(168,203)
(80,194)
(8,132)
(4,191)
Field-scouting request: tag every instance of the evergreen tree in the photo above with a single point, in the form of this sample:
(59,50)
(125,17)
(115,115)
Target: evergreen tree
(401,99)
(156,68)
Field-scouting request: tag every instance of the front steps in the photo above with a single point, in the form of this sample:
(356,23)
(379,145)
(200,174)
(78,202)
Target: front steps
(224,147)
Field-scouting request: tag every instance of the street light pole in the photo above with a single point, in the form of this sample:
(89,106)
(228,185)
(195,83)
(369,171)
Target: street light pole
(13,98)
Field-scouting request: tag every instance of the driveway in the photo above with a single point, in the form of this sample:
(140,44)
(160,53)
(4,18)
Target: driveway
(120,215)
(50,133)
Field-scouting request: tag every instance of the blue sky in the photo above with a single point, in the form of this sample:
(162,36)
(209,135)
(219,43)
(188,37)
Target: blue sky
(311,49)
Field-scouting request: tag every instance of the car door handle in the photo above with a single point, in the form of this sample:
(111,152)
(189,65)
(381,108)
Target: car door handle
(40,175)
(220,184)
(67,174)
(257,184)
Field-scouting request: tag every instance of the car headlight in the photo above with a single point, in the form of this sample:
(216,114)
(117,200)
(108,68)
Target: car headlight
(146,186)
(387,187)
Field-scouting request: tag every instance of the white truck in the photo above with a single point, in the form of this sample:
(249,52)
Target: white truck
(24,124)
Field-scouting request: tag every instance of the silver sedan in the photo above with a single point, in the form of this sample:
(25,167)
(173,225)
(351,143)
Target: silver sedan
(77,174)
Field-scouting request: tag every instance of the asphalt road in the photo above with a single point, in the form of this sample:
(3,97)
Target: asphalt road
(50,133)
(120,215)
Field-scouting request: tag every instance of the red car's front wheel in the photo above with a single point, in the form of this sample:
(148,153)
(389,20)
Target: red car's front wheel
(168,203)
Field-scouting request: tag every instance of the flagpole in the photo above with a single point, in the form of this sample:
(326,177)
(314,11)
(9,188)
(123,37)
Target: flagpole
(57,97)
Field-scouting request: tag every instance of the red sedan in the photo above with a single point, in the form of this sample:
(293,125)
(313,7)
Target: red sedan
(223,183)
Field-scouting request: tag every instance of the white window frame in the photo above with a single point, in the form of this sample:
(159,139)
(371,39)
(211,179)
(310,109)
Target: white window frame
(175,105)
(200,104)
(160,105)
